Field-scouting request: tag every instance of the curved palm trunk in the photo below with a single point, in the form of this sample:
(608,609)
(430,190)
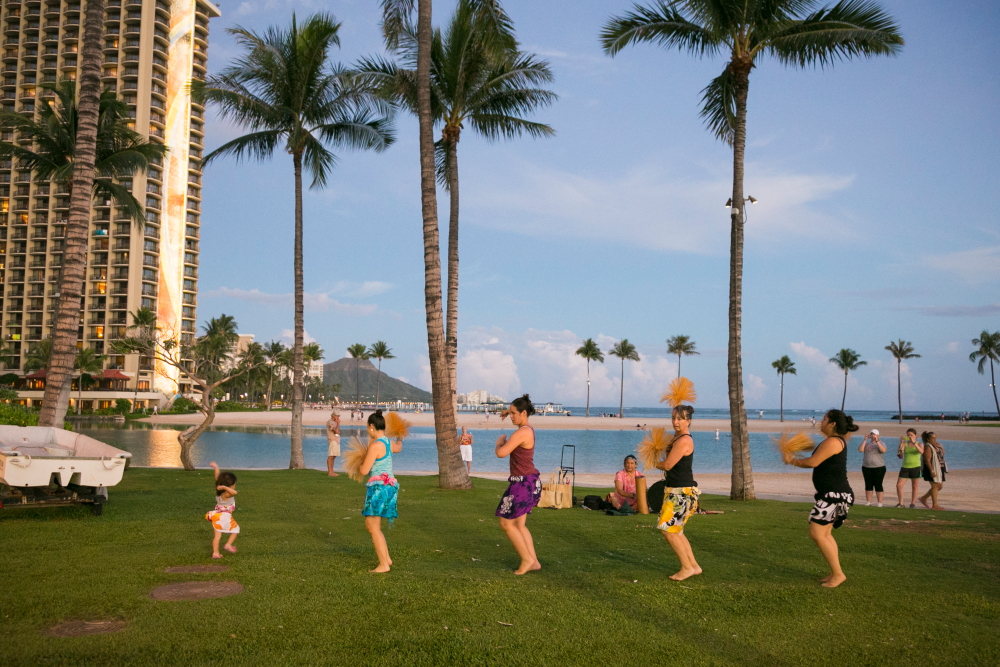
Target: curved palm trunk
(451,315)
(378,381)
(742,475)
(58,381)
(187,438)
(357,382)
(621,396)
(588,388)
(297,460)
(781,403)
(452,473)
(843,400)
(899,389)
(993,383)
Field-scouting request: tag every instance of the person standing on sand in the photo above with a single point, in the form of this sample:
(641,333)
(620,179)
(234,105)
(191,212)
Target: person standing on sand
(911,451)
(465,447)
(332,442)
(834,495)
(525,488)
(873,466)
(680,497)
(934,469)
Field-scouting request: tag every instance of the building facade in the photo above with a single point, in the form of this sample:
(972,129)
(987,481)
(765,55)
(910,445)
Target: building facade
(152,49)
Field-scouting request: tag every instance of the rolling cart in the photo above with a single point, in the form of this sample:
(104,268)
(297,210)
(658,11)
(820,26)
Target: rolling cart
(568,472)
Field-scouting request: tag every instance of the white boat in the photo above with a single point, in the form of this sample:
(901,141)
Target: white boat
(44,465)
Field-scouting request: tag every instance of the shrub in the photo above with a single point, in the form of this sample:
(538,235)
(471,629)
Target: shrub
(233,406)
(9,379)
(15,415)
(182,406)
(123,406)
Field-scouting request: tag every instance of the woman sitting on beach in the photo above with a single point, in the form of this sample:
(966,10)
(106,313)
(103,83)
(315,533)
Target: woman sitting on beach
(525,488)
(625,485)
(834,495)
(680,497)
(911,451)
(934,469)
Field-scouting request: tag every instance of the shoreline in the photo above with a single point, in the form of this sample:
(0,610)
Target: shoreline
(978,432)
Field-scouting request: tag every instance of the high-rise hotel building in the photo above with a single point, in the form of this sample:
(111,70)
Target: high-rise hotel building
(151,51)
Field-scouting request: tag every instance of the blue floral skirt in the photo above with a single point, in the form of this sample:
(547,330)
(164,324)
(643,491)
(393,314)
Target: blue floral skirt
(380,500)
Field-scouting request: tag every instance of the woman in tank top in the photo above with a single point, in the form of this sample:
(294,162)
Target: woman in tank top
(911,451)
(525,486)
(834,495)
(382,488)
(680,497)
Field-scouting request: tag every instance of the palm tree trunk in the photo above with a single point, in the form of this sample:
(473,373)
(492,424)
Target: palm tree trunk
(899,389)
(357,382)
(678,364)
(993,383)
(451,315)
(452,473)
(270,386)
(378,381)
(621,396)
(71,281)
(187,438)
(843,399)
(79,394)
(742,475)
(297,460)
(588,388)
(781,402)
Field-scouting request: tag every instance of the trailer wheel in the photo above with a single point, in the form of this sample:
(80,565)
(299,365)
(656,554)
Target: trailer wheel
(96,509)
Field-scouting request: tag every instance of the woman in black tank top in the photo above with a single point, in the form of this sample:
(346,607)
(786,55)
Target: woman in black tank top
(834,495)
(680,498)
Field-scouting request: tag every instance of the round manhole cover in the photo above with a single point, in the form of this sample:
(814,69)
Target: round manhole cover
(83,628)
(196,590)
(191,569)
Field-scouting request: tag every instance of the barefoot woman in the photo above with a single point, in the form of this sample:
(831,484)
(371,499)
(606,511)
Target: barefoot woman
(680,497)
(525,487)
(834,495)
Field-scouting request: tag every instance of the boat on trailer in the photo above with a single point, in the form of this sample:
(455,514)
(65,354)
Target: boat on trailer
(41,465)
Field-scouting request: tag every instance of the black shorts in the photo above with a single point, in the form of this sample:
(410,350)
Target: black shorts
(929,476)
(873,478)
(909,473)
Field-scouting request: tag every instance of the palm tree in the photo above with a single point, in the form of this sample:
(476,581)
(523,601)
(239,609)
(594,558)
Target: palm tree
(380,350)
(359,353)
(478,77)
(143,323)
(397,14)
(39,357)
(783,366)
(590,352)
(54,156)
(681,345)
(847,360)
(624,350)
(989,349)
(273,352)
(794,32)
(87,362)
(284,89)
(901,350)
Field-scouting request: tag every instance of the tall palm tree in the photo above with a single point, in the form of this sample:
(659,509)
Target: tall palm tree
(989,350)
(285,90)
(681,345)
(396,15)
(625,351)
(119,153)
(784,366)
(143,323)
(480,78)
(273,352)
(793,32)
(87,361)
(359,353)
(901,350)
(847,360)
(591,352)
(379,350)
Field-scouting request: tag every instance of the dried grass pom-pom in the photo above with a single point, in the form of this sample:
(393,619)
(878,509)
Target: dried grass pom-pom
(357,451)
(680,391)
(396,426)
(653,447)
(793,444)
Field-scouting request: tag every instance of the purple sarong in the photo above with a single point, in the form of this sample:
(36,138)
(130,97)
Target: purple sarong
(521,496)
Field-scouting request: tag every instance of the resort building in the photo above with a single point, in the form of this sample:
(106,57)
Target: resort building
(152,49)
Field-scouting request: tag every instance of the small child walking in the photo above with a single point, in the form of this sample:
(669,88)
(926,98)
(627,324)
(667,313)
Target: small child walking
(222,516)
(380,499)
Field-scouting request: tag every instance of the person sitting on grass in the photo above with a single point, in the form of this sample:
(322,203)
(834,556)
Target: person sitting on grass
(834,495)
(525,488)
(680,497)
(380,498)
(625,485)
(222,516)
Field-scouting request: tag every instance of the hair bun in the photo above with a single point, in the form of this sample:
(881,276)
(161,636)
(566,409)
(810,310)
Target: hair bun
(851,426)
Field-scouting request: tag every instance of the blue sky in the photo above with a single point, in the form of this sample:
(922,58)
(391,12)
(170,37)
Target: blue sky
(874,221)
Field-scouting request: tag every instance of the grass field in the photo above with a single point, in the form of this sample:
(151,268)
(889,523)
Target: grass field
(920,593)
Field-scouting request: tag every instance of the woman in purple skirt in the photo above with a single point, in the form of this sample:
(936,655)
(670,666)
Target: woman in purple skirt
(525,486)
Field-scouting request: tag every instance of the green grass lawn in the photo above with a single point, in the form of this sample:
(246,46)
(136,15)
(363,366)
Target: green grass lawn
(919,593)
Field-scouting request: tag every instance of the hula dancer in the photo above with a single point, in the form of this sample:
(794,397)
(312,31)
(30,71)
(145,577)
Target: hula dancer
(834,495)
(380,499)
(680,497)
(221,517)
(525,487)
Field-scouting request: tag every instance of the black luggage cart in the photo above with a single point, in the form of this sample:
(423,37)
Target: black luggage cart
(568,472)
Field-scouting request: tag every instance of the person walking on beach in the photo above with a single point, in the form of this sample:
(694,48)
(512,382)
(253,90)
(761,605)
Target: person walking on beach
(525,486)
(910,450)
(382,488)
(873,466)
(834,495)
(465,448)
(680,496)
(933,469)
(332,442)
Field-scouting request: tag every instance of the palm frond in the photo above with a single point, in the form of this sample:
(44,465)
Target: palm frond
(257,145)
(718,106)
(662,24)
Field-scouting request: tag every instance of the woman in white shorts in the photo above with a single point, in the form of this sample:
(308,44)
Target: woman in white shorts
(332,442)
(465,447)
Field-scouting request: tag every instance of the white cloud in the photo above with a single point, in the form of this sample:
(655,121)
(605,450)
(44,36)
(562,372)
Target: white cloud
(313,301)
(287,337)
(649,207)
(979,265)
(952,346)
(754,388)
(829,389)
(492,370)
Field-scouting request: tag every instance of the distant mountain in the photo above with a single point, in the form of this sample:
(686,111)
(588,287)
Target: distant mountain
(390,389)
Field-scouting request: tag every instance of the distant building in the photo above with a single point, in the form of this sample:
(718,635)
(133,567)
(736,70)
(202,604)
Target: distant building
(479,397)
(315,370)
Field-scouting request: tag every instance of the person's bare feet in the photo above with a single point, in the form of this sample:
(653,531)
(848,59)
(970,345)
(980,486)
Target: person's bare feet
(529,568)
(825,579)
(834,580)
(685,573)
(333,474)
(216,555)
(938,507)
(381,569)
(230,548)
(924,502)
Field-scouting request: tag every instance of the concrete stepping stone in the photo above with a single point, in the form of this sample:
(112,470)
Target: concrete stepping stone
(196,590)
(192,569)
(84,628)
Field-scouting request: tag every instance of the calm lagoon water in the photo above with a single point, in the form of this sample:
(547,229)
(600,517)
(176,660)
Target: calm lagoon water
(596,451)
